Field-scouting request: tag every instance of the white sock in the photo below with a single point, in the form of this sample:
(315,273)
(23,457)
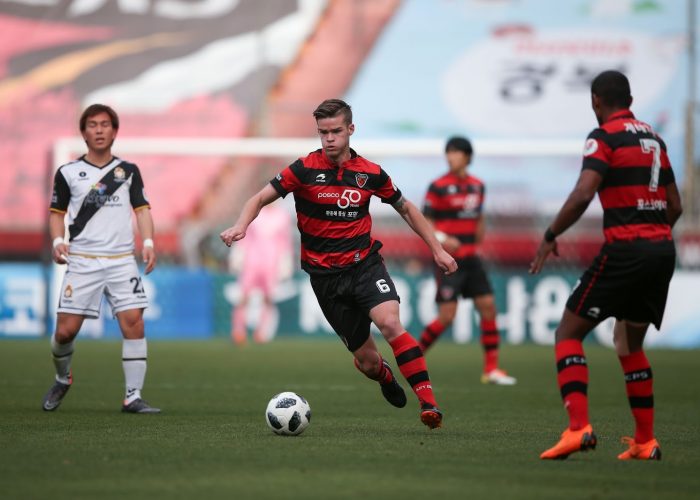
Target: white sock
(62,356)
(134,354)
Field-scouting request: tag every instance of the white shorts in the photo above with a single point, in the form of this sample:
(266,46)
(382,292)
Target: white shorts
(88,278)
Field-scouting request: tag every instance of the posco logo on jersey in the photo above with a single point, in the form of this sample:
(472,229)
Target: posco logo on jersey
(349,198)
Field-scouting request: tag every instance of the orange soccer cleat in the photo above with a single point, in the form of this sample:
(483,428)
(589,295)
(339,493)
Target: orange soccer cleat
(571,441)
(431,416)
(640,451)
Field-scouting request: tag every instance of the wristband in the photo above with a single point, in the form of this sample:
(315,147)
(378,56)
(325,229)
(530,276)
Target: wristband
(549,235)
(58,241)
(441,237)
(148,242)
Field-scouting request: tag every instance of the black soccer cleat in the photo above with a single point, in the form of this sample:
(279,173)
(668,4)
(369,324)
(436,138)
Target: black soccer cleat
(392,391)
(139,406)
(53,398)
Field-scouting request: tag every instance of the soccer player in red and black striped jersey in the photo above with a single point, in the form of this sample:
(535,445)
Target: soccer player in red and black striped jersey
(332,190)
(625,161)
(454,205)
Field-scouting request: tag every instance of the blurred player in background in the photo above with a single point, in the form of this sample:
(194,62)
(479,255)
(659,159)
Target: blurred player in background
(625,161)
(261,260)
(98,192)
(332,190)
(454,206)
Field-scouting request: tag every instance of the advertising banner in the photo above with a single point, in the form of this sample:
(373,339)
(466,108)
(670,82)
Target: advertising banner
(520,70)
(197,304)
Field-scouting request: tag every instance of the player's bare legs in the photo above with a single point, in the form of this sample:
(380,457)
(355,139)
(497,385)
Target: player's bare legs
(409,358)
(370,362)
(628,337)
(572,378)
(367,359)
(134,360)
(67,327)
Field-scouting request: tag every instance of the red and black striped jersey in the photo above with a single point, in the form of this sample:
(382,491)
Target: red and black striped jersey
(454,204)
(332,205)
(635,168)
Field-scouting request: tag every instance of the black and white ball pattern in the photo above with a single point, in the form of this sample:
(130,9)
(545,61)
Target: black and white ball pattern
(288,414)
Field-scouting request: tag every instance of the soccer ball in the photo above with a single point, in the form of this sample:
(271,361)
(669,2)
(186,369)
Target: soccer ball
(288,414)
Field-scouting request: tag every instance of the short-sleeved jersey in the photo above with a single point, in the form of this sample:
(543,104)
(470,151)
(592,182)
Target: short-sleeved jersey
(332,206)
(635,168)
(454,204)
(99,203)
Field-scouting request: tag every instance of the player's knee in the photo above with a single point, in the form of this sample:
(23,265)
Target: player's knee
(133,327)
(64,334)
(390,326)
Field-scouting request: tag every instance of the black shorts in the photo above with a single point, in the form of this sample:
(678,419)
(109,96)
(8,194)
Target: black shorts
(347,297)
(469,281)
(627,281)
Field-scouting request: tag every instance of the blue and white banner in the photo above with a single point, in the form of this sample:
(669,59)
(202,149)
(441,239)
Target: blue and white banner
(197,304)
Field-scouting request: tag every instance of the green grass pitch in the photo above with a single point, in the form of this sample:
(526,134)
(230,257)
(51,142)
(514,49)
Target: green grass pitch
(211,440)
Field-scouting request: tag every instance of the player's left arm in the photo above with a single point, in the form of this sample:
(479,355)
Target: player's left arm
(144,221)
(480,229)
(674,208)
(573,208)
(416,221)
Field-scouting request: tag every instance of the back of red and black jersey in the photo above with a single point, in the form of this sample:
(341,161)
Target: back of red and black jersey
(454,204)
(635,167)
(332,205)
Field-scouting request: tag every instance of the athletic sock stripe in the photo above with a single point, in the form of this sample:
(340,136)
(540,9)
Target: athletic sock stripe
(434,331)
(638,376)
(134,359)
(417,378)
(641,401)
(570,387)
(409,355)
(62,355)
(570,361)
(488,347)
(431,334)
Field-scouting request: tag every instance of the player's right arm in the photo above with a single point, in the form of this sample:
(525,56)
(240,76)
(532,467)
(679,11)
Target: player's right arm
(250,211)
(60,199)
(57,230)
(573,208)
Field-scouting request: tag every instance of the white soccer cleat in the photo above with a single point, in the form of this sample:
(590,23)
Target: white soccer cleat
(498,377)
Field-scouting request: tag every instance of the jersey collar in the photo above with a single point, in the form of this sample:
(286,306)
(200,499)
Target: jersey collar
(619,115)
(330,164)
(84,159)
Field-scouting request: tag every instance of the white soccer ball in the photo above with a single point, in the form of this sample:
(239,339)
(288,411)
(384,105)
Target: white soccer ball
(288,414)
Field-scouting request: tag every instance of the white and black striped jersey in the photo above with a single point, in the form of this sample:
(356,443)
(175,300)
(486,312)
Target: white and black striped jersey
(99,203)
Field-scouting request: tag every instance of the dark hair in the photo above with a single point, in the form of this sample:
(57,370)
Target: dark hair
(96,109)
(332,107)
(613,88)
(459,143)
